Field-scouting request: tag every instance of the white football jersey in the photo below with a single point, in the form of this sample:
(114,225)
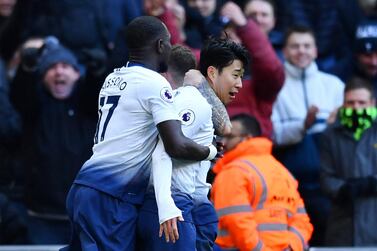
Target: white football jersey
(196,118)
(132,101)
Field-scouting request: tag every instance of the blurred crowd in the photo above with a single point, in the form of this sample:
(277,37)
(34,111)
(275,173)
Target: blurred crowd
(311,84)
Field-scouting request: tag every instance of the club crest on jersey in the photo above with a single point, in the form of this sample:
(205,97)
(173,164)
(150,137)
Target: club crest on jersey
(187,117)
(166,94)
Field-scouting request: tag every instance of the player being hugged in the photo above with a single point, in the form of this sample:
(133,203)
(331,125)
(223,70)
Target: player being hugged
(135,105)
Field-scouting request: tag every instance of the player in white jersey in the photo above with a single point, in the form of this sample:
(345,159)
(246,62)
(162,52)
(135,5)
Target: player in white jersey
(195,113)
(190,178)
(135,105)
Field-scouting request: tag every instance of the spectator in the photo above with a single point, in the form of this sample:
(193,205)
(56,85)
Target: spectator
(255,196)
(361,11)
(348,168)
(57,108)
(6,9)
(202,21)
(13,228)
(174,17)
(366,52)
(87,27)
(259,90)
(11,173)
(322,17)
(170,12)
(299,116)
(263,13)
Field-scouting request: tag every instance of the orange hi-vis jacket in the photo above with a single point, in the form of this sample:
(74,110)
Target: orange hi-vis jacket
(257,201)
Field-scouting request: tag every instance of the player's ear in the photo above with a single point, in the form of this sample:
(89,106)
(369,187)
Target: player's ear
(160,46)
(212,73)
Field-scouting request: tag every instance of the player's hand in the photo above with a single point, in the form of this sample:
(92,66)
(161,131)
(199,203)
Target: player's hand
(217,142)
(170,229)
(193,77)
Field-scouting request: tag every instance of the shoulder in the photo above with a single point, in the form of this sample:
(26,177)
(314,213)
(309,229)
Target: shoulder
(332,132)
(331,80)
(191,94)
(233,171)
(151,76)
(190,90)
(192,106)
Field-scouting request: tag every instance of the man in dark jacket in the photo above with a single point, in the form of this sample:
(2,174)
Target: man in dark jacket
(10,130)
(58,111)
(365,52)
(349,171)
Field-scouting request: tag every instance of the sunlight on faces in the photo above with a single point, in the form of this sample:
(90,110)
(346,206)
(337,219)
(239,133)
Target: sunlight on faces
(263,14)
(358,99)
(300,50)
(226,83)
(60,80)
(205,7)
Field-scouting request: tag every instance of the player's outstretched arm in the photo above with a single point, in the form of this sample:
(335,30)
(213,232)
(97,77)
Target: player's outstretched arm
(177,145)
(168,213)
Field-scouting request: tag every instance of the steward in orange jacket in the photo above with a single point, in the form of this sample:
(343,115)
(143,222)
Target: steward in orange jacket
(257,201)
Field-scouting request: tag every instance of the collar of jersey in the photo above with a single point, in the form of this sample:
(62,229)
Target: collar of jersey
(130,64)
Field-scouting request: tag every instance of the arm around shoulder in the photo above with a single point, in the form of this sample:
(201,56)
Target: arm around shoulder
(177,145)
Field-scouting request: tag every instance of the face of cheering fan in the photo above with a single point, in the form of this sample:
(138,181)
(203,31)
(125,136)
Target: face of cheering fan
(60,80)
(263,14)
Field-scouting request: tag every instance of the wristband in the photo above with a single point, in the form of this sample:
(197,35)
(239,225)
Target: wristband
(212,152)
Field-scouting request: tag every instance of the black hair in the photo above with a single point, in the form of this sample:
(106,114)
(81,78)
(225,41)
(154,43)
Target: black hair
(220,53)
(355,83)
(143,31)
(297,29)
(181,60)
(250,125)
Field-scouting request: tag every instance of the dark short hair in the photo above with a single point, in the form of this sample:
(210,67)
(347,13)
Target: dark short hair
(355,83)
(220,53)
(250,125)
(181,60)
(143,31)
(303,29)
